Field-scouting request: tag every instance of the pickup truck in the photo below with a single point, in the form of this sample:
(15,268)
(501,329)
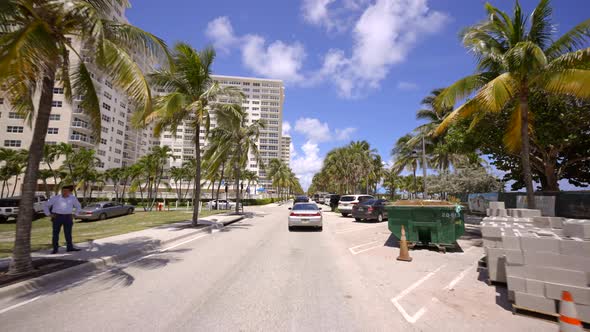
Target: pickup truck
(9,206)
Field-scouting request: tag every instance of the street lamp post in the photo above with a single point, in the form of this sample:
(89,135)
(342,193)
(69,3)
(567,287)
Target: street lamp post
(424,166)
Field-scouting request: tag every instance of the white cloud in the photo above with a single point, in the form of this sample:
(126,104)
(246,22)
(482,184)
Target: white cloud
(344,134)
(407,86)
(277,60)
(286,128)
(316,12)
(313,129)
(221,32)
(306,165)
(383,36)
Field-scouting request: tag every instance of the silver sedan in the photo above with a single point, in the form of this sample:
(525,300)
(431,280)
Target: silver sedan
(305,215)
(103,210)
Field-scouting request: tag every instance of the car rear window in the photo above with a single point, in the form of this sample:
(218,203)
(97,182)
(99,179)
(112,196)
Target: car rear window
(305,207)
(347,198)
(369,202)
(9,203)
(93,206)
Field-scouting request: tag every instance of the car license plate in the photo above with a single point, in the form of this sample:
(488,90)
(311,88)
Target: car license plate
(344,204)
(305,220)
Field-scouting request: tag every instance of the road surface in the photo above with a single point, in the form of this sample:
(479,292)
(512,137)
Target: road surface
(255,275)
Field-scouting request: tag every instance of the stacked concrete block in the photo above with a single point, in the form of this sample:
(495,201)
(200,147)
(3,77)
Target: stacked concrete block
(496,209)
(523,213)
(540,260)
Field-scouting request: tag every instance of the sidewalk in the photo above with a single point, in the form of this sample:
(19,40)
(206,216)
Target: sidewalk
(102,253)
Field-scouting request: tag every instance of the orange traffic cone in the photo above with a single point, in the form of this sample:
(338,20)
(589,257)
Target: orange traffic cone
(404,252)
(568,316)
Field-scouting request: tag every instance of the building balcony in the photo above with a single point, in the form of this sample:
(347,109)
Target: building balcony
(81,125)
(82,140)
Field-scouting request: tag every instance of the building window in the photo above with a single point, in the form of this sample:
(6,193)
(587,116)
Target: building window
(50,143)
(14,129)
(106,106)
(56,103)
(117,160)
(117,151)
(109,84)
(52,131)
(103,141)
(54,117)
(58,91)
(120,132)
(104,130)
(1,101)
(101,152)
(107,95)
(12,143)
(118,141)
(106,118)
(121,123)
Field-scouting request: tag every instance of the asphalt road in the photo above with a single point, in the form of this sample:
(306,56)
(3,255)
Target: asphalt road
(256,276)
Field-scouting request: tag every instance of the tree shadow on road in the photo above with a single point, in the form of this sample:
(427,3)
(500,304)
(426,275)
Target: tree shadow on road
(141,254)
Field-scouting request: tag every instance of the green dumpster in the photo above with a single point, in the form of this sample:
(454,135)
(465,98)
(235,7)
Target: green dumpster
(427,225)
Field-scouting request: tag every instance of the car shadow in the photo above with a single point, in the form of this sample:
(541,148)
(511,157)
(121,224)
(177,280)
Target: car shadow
(303,229)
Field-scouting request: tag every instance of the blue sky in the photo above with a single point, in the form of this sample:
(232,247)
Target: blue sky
(353,69)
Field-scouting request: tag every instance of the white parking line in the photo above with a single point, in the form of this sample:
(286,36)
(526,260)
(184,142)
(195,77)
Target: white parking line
(413,319)
(101,273)
(454,282)
(356,228)
(354,251)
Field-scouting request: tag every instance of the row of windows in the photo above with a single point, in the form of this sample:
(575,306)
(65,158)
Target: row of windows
(12,143)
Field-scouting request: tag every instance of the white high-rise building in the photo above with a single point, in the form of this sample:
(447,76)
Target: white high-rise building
(286,149)
(119,143)
(264,100)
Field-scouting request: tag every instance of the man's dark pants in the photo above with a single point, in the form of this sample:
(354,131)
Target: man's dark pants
(67,222)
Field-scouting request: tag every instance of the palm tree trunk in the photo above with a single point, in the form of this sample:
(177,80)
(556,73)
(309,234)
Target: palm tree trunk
(197,185)
(46,188)
(3,186)
(54,179)
(526,148)
(21,255)
(415,183)
(15,183)
(219,185)
(238,171)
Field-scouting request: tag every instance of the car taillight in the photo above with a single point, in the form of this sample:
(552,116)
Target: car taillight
(354,203)
(88,212)
(370,209)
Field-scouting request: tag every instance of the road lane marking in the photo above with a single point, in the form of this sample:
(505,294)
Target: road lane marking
(353,229)
(458,278)
(19,304)
(414,318)
(120,266)
(354,251)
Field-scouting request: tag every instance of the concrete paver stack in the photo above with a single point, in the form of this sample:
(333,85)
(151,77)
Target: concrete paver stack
(538,257)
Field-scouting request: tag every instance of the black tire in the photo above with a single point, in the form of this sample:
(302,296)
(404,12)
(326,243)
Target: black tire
(130,211)
(380,218)
(102,216)
(345,214)
(290,228)
(357,219)
(321,228)
(3,219)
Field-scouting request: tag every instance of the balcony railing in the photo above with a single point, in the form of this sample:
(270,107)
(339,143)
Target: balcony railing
(80,124)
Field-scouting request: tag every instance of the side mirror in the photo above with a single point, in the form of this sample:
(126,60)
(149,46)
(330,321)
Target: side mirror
(320,208)
(290,208)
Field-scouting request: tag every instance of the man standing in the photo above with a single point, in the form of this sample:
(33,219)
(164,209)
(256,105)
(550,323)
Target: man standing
(61,209)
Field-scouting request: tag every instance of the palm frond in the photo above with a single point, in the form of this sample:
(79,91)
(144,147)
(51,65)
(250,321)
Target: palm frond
(462,89)
(572,40)
(495,94)
(541,29)
(462,112)
(573,60)
(574,82)
(126,74)
(134,39)
(82,85)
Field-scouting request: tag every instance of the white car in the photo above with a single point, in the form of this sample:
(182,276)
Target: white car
(223,205)
(348,201)
(305,215)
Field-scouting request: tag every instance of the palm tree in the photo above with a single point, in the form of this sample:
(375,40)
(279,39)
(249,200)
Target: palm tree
(84,163)
(514,58)
(405,156)
(36,45)
(114,175)
(50,154)
(236,139)
(250,177)
(45,174)
(391,181)
(190,93)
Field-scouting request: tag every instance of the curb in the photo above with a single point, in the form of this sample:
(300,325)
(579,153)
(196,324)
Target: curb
(95,264)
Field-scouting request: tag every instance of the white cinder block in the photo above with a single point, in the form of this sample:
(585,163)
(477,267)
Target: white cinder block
(514,257)
(558,276)
(511,241)
(580,294)
(537,303)
(575,263)
(516,284)
(491,231)
(497,205)
(492,242)
(496,264)
(556,222)
(574,247)
(518,271)
(577,228)
(542,222)
(535,287)
(524,213)
(540,244)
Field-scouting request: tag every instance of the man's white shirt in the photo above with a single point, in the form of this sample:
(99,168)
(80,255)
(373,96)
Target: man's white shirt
(61,205)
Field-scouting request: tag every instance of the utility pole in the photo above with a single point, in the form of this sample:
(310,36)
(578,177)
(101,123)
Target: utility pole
(424,166)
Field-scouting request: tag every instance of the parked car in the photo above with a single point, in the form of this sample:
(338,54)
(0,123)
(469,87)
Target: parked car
(104,210)
(300,199)
(305,215)
(348,201)
(371,209)
(9,206)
